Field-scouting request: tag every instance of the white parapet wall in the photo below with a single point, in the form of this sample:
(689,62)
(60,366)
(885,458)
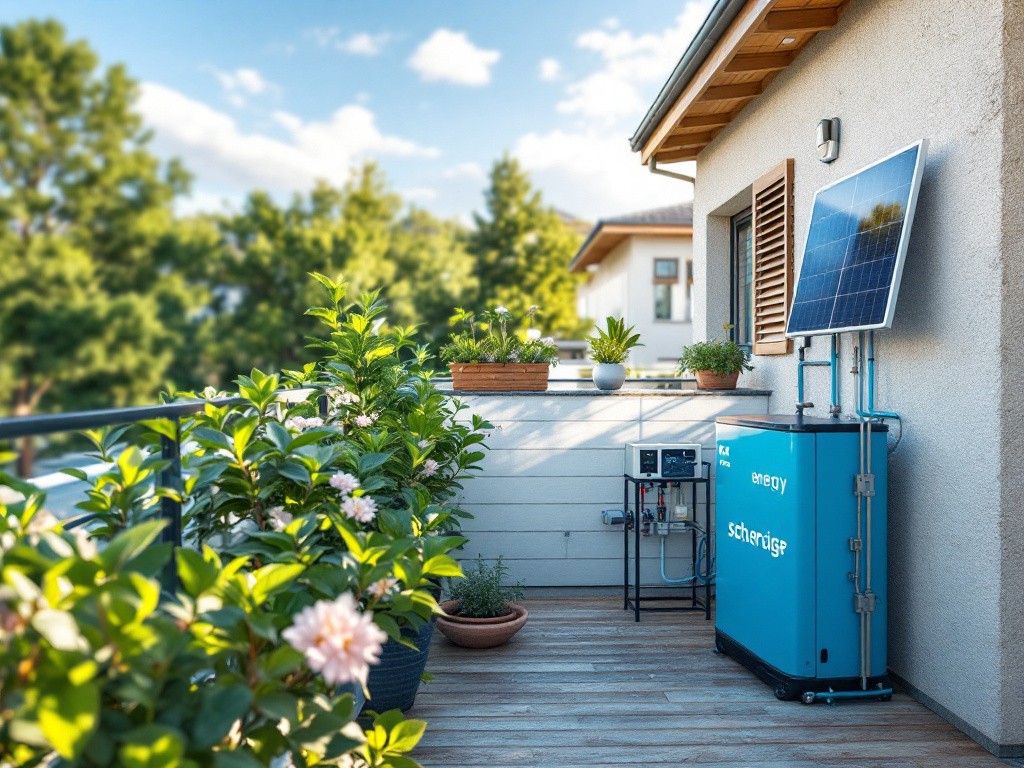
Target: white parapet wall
(555,462)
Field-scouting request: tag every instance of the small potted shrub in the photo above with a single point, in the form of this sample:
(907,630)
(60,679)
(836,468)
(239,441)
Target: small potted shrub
(487,356)
(609,349)
(716,364)
(482,612)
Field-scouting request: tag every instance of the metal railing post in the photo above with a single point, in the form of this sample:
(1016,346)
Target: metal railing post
(170,509)
(321,402)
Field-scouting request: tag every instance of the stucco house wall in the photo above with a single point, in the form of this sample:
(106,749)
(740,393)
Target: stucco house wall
(623,286)
(896,71)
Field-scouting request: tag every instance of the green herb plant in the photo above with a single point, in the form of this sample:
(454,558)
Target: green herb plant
(723,357)
(482,593)
(613,342)
(488,339)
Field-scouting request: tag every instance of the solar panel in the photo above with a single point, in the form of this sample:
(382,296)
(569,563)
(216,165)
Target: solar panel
(856,245)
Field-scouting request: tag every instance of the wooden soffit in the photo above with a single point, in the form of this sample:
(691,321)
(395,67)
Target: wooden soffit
(750,53)
(608,236)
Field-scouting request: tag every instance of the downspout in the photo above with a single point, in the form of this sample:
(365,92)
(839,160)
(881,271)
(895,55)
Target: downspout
(653,166)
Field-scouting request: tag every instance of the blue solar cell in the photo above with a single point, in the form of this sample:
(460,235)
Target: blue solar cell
(855,247)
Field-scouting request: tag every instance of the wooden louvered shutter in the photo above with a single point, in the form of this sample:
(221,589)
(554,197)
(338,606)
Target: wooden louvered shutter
(773,259)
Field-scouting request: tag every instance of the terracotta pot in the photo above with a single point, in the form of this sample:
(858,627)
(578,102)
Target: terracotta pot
(499,377)
(480,633)
(712,380)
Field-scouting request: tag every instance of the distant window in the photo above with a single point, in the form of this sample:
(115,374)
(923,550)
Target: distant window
(666,277)
(688,287)
(666,269)
(663,301)
(742,279)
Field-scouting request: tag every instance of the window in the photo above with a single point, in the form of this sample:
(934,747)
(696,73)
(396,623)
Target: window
(741,277)
(666,278)
(688,315)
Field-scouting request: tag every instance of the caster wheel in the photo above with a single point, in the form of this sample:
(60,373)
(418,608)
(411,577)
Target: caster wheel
(807,698)
(780,693)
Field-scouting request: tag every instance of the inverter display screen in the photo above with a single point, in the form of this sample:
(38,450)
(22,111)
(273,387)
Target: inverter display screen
(678,462)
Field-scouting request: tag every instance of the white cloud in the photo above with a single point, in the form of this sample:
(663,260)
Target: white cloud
(611,23)
(633,66)
(591,175)
(224,156)
(452,57)
(364,44)
(357,44)
(240,83)
(472,171)
(549,69)
(419,194)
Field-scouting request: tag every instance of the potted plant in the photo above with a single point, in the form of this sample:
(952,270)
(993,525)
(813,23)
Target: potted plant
(482,612)
(497,359)
(716,364)
(609,349)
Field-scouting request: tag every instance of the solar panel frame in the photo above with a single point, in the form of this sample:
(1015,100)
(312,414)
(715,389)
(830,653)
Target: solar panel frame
(921,147)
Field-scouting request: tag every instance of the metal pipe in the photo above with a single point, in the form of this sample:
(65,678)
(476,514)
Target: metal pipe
(835,408)
(859,369)
(653,167)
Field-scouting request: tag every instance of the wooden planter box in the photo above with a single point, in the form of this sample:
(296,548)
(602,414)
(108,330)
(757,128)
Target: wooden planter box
(500,377)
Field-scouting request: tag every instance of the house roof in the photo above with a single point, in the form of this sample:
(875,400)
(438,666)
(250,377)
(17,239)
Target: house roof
(737,52)
(671,221)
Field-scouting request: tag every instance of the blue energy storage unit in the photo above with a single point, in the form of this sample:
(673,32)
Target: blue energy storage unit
(786,544)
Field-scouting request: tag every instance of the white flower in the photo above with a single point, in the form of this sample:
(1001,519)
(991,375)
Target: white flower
(380,589)
(429,468)
(301,422)
(338,642)
(360,508)
(278,518)
(501,310)
(342,396)
(548,340)
(344,482)
(363,421)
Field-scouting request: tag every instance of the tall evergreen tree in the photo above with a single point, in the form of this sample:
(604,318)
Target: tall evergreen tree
(82,202)
(522,250)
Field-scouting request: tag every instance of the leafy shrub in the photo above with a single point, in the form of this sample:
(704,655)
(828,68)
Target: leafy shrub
(480,592)
(721,357)
(313,539)
(496,344)
(613,342)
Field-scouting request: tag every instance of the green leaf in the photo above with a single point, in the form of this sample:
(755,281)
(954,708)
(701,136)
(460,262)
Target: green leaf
(278,435)
(212,438)
(295,471)
(67,717)
(152,746)
(76,473)
(130,543)
(406,735)
(196,574)
(164,427)
(273,578)
(441,565)
(371,461)
(220,708)
(235,759)
(60,630)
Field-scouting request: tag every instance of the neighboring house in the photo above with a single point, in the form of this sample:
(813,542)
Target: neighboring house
(745,102)
(639,267)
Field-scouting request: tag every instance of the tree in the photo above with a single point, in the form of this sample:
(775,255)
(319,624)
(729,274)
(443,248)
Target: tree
(522,250)
(82,202)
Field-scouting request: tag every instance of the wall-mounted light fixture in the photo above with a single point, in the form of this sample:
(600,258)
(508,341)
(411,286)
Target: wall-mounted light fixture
(828,139)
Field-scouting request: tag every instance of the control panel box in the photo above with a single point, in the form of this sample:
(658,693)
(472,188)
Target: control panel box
(663,461)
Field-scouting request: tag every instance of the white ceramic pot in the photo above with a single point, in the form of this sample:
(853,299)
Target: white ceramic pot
(608,376)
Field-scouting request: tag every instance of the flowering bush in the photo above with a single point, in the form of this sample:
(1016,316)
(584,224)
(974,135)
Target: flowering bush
(497,344)
(313,539)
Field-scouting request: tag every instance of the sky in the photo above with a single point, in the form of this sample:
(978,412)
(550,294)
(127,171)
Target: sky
(274,95)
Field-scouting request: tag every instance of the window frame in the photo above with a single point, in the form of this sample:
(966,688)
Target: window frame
(741,219)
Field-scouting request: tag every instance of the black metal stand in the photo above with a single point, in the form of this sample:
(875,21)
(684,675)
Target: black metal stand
(697,596)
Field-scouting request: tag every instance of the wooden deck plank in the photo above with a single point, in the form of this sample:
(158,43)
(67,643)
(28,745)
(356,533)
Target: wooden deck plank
(583,685)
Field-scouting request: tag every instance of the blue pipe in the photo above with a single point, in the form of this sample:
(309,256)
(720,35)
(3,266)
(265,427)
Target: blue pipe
(871,413)
(800,375)
(832,363)
(829,696)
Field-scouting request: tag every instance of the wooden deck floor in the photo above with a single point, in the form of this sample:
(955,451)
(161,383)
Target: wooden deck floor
(583,685)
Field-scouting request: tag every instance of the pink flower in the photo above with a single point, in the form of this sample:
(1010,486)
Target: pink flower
(337,640)
(301,422)
(344,482)
(363,421)
(278,518)
(360,508)
(380,589)
(429,468)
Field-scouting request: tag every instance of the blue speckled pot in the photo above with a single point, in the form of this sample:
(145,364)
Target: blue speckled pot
(393,682)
